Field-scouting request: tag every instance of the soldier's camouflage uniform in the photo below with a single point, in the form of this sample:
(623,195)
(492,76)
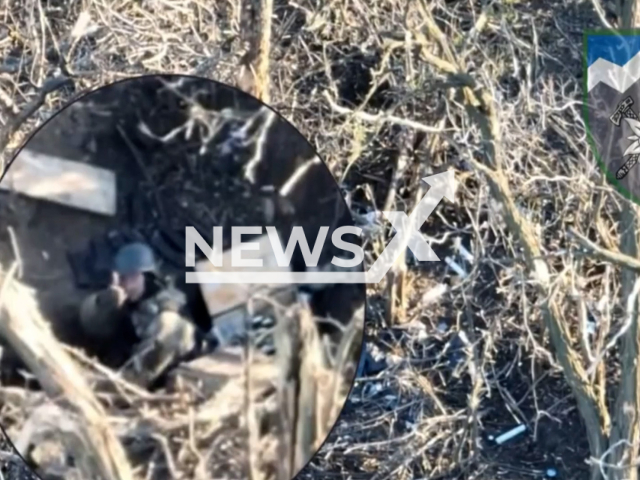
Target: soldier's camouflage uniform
(160,328)
(166,334)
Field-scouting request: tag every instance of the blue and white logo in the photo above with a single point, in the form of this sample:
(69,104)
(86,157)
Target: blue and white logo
(612,96)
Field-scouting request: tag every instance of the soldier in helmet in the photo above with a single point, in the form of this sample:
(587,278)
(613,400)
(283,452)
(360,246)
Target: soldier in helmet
(150,307)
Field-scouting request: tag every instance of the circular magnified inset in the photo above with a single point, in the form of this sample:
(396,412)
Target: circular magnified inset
(199,255)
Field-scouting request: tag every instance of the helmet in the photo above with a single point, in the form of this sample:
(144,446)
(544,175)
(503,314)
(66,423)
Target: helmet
(135,258)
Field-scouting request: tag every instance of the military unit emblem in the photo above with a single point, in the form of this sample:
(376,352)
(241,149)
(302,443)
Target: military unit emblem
(612,86)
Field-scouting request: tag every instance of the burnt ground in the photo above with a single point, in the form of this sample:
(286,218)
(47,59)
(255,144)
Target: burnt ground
(165,184)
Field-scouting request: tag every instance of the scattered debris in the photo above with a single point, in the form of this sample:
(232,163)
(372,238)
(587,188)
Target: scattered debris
(372,361)
(455,267)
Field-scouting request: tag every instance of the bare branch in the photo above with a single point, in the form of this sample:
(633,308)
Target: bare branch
(25,330)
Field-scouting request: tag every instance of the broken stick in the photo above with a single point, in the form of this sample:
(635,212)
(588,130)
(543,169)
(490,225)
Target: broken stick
(253,76)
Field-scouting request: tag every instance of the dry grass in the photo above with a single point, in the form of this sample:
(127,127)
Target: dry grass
(359,79)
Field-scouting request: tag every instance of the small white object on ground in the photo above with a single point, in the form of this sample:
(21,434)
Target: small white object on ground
(371,389)
(455,267)
(551,472)
(510,434)
(462,336)
(443,327)
(420,334)
(376,353)
(82,25)
(434,294)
